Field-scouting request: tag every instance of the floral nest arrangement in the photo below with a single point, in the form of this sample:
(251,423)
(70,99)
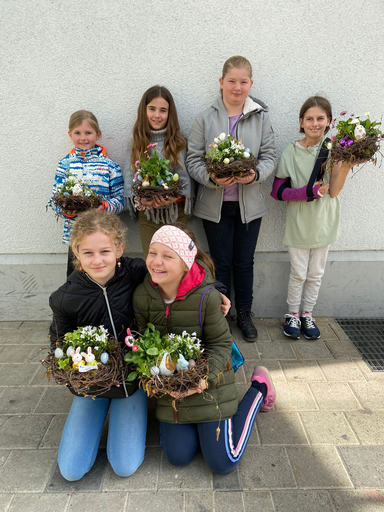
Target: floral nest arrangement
(75,195)
(153,178)
(167,364)
(356,140)
(89,360)
(229,158)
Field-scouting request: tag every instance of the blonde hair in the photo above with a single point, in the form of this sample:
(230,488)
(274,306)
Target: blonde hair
(237,61)
(174,141)
(94,221)
(84,115)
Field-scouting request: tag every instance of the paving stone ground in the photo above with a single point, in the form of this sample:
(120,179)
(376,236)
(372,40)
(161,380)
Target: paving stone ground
(320,449)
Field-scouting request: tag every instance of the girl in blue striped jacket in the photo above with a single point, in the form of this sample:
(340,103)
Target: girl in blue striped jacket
(89,162)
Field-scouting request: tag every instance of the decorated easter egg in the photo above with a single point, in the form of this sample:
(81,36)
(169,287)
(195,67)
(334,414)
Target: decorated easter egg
(70,350)
(191,363)
(359,132)
(104,357)
(59,353)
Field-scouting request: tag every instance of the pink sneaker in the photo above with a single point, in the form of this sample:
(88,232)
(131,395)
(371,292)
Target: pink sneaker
(262,375)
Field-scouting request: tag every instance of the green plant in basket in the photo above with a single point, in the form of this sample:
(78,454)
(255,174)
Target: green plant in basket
(226,149)
(74,186)
(153,354)
(356,139)
(154,171)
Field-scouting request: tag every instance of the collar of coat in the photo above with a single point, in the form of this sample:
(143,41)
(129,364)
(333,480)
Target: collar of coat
(97,150)
(250,105)
(192,280)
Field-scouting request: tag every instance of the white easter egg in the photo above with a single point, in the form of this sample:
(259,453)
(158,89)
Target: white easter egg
(59,353)
(70,350)
(155,370)
(104,357)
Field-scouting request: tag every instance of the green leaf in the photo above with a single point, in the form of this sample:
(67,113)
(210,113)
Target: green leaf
(152,351)
(132,376)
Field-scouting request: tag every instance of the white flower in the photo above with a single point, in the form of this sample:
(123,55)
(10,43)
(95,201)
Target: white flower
(246,155)
(145,183)
(77,190)
(164,185)
(354,121)
(216,141)
(184,333)
(366,114)
(222,136)
(329,145)
(226,160)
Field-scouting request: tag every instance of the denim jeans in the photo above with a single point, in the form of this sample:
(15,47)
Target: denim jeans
(82,431)
(232,246)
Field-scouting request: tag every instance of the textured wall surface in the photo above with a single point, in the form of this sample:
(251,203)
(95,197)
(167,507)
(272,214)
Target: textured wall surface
(58,57)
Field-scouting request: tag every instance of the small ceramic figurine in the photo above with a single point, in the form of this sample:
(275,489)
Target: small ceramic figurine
(76,359)
(89,357)
(165,367)
(182,364)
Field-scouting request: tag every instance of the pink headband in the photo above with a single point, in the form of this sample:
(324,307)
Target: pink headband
(177,240)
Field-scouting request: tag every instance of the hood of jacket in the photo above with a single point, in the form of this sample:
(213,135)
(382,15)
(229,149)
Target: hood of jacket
(96,151)
(251,106)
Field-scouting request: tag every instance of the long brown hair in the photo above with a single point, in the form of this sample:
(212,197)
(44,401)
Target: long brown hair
(174,140)
(201,255)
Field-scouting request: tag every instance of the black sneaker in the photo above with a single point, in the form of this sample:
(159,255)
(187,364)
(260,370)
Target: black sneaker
(244,321)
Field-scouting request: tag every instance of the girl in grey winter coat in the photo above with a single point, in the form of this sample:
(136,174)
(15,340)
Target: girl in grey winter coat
(232,208)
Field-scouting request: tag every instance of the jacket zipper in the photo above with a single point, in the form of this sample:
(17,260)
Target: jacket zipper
(104,288)
(242,188)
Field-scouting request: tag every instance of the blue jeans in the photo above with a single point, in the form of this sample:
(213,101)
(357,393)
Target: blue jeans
(181,442)
(82,431)
(232,247)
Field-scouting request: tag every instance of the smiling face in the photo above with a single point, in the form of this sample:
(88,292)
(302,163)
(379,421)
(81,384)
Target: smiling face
(97,254)
(314,123)
(165,266)
(157,113)
(84,136)
(236,85)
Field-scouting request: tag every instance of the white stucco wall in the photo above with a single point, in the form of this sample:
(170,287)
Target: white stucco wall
(58,57)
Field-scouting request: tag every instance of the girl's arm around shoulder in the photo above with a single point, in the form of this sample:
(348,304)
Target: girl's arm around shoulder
(137,269)
(196,152)
(115,202)
(216,334)
(267,152)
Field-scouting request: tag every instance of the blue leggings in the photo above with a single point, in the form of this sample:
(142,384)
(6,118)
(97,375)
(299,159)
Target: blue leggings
(181,442)
(82,431)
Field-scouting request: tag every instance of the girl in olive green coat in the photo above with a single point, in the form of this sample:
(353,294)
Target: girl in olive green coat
(178,295)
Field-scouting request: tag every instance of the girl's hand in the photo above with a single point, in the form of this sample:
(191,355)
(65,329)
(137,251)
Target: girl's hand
(225,306)
(323,189)
(199,389)
(163,201)
(247,179)
(225,182)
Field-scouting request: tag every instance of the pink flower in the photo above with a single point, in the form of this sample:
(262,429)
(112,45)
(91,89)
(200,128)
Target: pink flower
(152,145)
(136,175)
(343,112)
(135,348)
(137,163)
(333,138)
(333,122)
(129,341)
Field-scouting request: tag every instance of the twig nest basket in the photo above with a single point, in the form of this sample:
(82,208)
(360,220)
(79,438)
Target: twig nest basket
(78,203)
(180,382)
(363,150)
(173,189)
(238,168)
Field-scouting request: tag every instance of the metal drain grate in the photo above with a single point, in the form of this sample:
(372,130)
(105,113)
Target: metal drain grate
(367,334)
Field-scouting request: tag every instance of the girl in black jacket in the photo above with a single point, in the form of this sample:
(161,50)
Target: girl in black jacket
(100,292)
